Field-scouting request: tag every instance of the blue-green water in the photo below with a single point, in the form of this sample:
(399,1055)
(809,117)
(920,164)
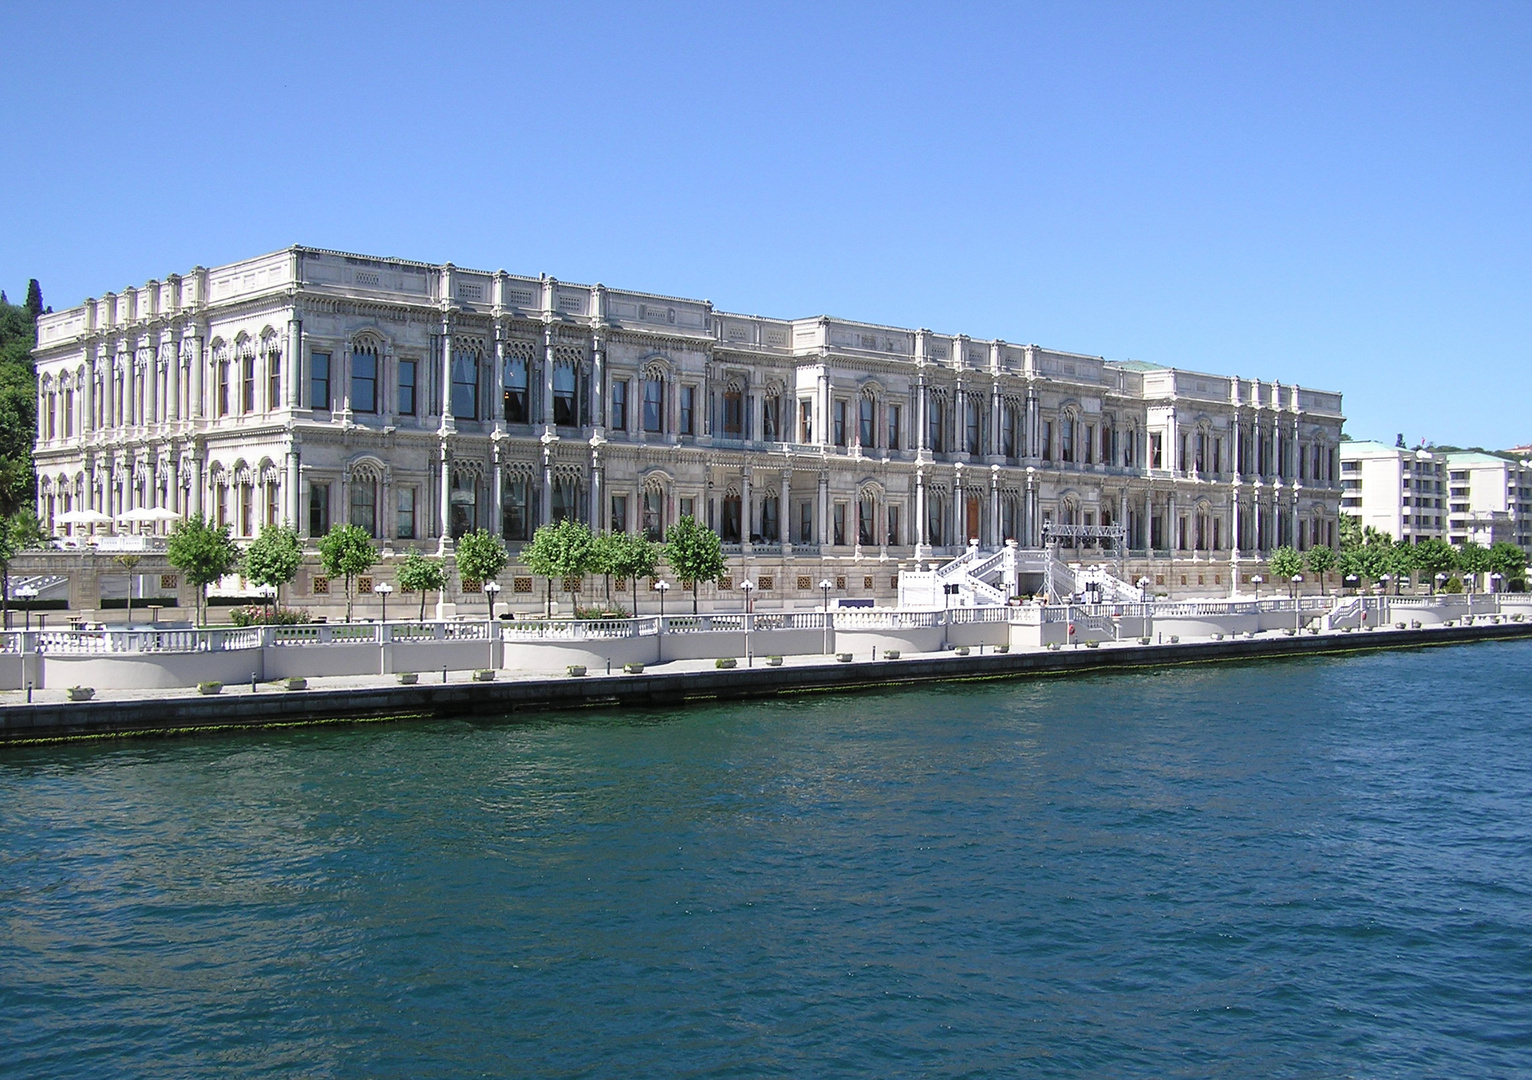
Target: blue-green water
(1310,869)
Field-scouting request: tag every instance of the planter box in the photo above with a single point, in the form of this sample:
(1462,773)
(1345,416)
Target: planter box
(408,678)
(1093,644)
(81,693)
(633,668)
(1054,646)
(209,687)
(890,654)
(1217,637)
(1414,624)
(773,661)
(575,671)
(1289,631)
(297,684)
(843,657)
(1175,639)
(484,675)
(1144,641)
(1002,648)
(725,662)
(961,650)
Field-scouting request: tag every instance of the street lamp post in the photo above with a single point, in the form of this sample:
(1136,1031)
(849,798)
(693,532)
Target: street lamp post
(826,586)
(27,593)
(491,589)
(1297,617)
(383,588)
(661,587)
(1256,579)
(1441,580)
(1493,579)
(748,588)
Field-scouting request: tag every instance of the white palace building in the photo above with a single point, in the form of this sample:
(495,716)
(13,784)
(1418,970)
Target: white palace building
(420,401)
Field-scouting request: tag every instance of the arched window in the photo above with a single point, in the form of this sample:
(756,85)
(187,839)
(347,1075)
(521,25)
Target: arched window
(974,424)
(464,502)
(866,511)
(865,433)
(564,398)
(654,405)
(654,514)
(516,512)
(364,378)
(516,405)
(935,425)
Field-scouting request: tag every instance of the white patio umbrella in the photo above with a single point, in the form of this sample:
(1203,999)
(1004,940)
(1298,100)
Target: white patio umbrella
(88,516)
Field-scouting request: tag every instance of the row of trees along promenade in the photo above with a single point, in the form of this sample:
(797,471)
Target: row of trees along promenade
(566,551)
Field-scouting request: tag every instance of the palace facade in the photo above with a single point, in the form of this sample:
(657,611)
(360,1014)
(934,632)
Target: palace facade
(420,401)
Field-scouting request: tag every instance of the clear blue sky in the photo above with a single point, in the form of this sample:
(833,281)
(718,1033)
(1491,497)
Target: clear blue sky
(1336,195)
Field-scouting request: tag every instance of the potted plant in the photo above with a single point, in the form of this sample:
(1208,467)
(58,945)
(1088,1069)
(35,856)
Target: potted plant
(1054,646)
(209,687)
(1003,648)
(408,678)
(961,650)
(1143,640)
(1217,637)
(1093,643)
(890,654)
(575,671)
(725,662)
(295,683)
(1175,639)
(81,693)
(484,675)
(843,657)
(773,661)
(633,667)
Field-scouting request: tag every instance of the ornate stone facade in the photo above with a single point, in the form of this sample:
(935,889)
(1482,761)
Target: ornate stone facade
(420,400)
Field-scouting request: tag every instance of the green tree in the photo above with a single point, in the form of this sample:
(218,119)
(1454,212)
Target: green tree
(480,557)
(34,303)
(346,551)
(202,552)
(1350,532)
(1432,557)
(695,554)
(562,550)
(605,555)
(129,562)
(1321,560)
(1474,559)
(636,557)
(18,406)
(1285,564)
(420,574)
(273,558)
(1509,561)
(18,532)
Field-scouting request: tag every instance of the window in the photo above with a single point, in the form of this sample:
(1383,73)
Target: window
(221,505)
(1047,433)
(564,411)
(516,511)
(516,406)
(654,405)
(1008,431)
(865,511)
(364,381)
(893,525)
(805,523)
(654,517)
(319,380)
(566,501)
(839,426)
(463,500)
(364,505)
(688,418)
(1157,450)
(619,404)
(407,370)
(975,426)
(865,433)
(934,426)
(805,420)
(770,528)
(404,514)
(1090,444)
(1067,439)
(273,507)
(619,514)
(935,515)
(223,388)
(319,508)
(246,509)
(893,427)
(273,380)
(730,532)
(247,383)
(465,385)
(733,414)
(839,518)
(1107,436)
(688,508)
(771,419)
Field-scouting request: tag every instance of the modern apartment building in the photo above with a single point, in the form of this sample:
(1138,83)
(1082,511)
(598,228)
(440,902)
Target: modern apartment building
(1395,490)
(1490,499)
(422,400)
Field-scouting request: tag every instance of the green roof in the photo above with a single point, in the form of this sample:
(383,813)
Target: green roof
(1137,365)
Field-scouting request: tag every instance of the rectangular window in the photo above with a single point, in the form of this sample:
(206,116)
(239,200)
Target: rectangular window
(729,530)
(865,433)
(221,506)
(1067,439)
(654,406)
(974,426)
(839,518)
(223,389)
(654,517)
(865,517)
(319,509)
(688,417)
(319,380)
(515,406)
(893,427)
(805,420)
(839,426)
(1156,450)
(733,414)
(247,510)
(1008,432)
(465,386)
(619,404)
(564,409)
(1090,444)
(893,525)
(273,509)
(364,382)
(247,383)
(407,387)
(688,507)
(1047,433)
(273,381)
(619,514)
(1107,434)
(769,525)
(805,523)
(771,419)
(515,512)
(364,507)
(934,427)
(404,514)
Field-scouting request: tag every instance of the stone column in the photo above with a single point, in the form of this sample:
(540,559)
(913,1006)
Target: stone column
(822,518)
(822,404)
(444,499)
(1030,513)
(598,510)
(497,394)
(995,539)
(1034,444)
(198,375)
(598,383)
(290,491)
(389,526)
(195,451)
(448,422)
(292,374)
(785,514)
(545,500)
(746,509)
(994,420)
(921,537)
(1172,526)
(549,429)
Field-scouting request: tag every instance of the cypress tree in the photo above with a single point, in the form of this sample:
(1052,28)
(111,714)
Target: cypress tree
(34,298)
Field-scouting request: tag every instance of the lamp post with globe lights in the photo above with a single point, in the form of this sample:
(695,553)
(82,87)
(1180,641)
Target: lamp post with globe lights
(748,588)
(491,590)
(382,589)
(826,585)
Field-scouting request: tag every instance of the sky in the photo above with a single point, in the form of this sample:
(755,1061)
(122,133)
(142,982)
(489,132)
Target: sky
(1330,194)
